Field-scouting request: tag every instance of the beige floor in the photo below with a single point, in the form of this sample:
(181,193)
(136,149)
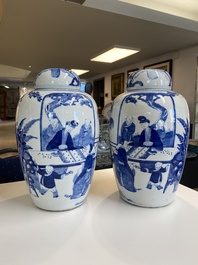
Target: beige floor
(7,136)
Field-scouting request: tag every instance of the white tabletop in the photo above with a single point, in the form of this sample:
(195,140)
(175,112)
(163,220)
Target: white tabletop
(105,230)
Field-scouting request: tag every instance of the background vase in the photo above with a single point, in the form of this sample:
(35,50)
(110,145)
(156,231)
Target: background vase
(149,130)
(57,133)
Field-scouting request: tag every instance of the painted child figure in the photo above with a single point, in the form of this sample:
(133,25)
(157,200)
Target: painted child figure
(156,176)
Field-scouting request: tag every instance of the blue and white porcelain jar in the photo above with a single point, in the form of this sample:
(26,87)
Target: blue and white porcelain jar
(57,134)
(149,129)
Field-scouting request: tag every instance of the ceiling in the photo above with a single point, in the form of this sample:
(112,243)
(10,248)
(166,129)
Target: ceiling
(55,33)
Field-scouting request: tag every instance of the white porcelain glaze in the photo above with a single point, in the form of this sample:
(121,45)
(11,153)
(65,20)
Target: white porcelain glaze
(149,130)
(57,133)
(147,79)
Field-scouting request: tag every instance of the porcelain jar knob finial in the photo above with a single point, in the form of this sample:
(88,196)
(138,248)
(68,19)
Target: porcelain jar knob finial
(57,134)
(149,130)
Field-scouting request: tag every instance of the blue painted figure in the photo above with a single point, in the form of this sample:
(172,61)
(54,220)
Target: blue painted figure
(63,139)
(49,132)
(127,129)
(159,127)
(125,173)
(149,136)
(156,176)
(85,135)
(82,179)
(48,176)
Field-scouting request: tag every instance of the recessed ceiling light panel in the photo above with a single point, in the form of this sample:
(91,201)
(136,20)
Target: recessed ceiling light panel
(114,54)
(79,71)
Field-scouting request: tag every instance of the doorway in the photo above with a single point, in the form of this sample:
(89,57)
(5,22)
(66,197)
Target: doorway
(98,93)
(195,133)
(2,105)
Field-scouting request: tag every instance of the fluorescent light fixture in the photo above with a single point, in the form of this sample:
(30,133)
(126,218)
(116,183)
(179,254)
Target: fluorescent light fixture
(79,71)
(114,54)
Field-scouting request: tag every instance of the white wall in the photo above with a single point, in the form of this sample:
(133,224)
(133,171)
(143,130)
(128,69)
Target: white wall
(183,74)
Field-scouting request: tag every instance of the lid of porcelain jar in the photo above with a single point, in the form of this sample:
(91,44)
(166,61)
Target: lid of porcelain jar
(57,78)
(149,79)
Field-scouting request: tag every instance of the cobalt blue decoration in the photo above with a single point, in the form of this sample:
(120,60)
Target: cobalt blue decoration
(57,129)
(149,129)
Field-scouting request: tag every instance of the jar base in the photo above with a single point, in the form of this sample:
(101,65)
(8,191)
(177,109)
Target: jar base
(144,205)
(58,208)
